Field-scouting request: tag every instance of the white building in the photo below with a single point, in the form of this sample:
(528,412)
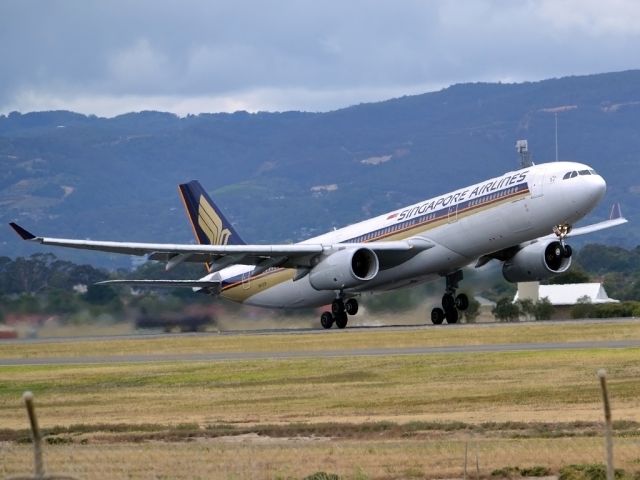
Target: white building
(568,294)
(563,297)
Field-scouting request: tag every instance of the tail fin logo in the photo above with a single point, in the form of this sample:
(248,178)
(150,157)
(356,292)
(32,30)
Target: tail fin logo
(211,224)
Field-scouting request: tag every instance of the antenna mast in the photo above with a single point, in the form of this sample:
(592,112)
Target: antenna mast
(522,147)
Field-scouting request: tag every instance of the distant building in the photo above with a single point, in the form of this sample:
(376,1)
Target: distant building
(563,297)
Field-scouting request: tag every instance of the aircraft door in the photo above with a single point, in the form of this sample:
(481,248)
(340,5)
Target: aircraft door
(246,280)
(536,185)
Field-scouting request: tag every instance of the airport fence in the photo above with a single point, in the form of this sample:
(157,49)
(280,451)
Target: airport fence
(506,451)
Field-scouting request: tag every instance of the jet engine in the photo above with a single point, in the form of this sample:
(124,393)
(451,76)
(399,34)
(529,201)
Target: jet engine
(344,269)
(537,261)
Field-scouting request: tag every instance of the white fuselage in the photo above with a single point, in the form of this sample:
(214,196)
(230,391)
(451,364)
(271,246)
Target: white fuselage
(464,225)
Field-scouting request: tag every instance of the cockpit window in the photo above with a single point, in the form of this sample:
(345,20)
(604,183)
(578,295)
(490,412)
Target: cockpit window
(574,174)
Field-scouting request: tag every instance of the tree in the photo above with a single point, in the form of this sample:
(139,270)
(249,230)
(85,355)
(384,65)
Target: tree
(543,309)
(583,309)
(527,307)
(575,275)
(61,301)
(506,311)
(606,258)
(100,294)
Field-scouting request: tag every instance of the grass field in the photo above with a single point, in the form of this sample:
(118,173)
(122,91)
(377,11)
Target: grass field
(361,417)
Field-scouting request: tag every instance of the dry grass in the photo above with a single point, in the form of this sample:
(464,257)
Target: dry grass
(263,458)
(521,386)
(266,395)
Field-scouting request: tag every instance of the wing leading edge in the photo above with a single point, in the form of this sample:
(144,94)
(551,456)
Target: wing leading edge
(288,256)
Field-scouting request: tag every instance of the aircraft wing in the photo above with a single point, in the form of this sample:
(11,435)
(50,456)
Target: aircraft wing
(286,255)
(615,219)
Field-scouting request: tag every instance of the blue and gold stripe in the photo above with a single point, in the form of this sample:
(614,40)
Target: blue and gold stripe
(241,287)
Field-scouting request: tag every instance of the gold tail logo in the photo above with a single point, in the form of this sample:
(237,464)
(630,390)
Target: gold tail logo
(211,224)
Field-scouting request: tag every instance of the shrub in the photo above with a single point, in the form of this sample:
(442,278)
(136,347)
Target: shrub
(322,476)
(583,309)
(594,471)
(506,311)
(535,471)
(543,310)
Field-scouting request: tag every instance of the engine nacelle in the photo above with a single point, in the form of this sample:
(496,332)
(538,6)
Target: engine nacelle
(344,269)
(537,261)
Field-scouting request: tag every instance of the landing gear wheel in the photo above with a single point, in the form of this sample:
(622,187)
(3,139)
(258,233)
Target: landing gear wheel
(341,320)
(462,302)
(351,306)
(437,316)
(452,316)
(326,320)
(448,302)
(337,307)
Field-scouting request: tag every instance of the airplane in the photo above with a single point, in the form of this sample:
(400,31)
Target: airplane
(521,218)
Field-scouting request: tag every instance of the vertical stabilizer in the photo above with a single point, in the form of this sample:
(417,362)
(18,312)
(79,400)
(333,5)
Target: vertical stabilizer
(209,224)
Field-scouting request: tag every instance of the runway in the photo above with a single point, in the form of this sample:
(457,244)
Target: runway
(142,334)
(282,355)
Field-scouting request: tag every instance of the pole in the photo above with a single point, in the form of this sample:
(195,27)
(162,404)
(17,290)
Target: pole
(608,429)
(466,448)
(35,435)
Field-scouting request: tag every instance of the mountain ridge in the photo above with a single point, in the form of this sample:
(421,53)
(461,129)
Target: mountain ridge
(69,174)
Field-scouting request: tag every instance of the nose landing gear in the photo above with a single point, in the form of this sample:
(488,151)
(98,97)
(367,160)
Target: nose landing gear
(561,232)
(340,309)
(452,305)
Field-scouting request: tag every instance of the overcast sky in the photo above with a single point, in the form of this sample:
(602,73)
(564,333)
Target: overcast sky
(192,56)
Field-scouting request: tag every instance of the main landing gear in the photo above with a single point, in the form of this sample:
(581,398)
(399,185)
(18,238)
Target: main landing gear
(339,311)
(452,305)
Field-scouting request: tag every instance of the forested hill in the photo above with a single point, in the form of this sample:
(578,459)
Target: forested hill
(285,176)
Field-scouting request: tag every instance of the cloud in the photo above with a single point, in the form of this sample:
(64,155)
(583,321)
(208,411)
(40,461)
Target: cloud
(616,18)
(135,67)
(121,56)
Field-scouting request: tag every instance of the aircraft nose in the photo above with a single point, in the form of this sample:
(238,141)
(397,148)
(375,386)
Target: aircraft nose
(592,189)
(597,187)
